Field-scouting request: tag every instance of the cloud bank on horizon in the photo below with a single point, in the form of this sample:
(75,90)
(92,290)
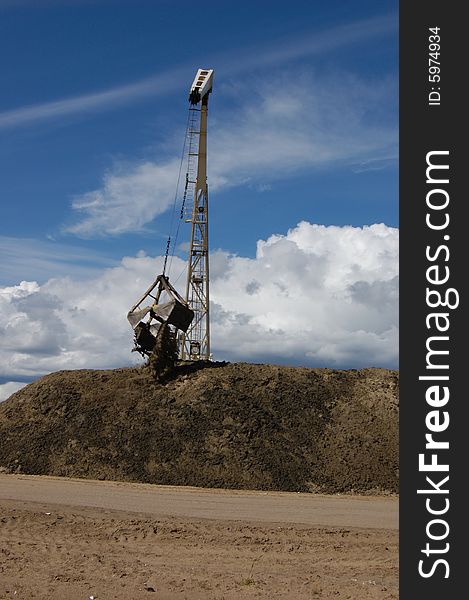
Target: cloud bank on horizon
(316,296)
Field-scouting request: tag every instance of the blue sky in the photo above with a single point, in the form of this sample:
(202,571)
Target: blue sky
(302,128)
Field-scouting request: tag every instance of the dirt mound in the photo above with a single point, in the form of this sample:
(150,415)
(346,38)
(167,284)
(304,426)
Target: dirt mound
(215,425)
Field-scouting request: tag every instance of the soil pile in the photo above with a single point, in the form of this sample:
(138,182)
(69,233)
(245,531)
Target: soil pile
(239,425)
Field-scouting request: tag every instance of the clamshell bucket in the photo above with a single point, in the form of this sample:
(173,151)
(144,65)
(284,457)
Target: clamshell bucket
(146,321)
(174,313)
(145,337)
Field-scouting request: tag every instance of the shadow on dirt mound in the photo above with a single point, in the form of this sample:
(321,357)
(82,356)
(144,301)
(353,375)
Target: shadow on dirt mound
(210,424)
(182,368)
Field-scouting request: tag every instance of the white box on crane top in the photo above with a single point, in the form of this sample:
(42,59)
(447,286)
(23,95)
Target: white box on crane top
(202,83)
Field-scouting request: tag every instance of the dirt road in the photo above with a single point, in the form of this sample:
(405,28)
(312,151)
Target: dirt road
(77,539)
(198,503)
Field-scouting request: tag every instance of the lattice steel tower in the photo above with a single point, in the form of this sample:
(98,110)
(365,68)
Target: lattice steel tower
(195,343)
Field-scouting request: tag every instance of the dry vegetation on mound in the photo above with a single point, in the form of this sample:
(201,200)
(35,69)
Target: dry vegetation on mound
(214,425)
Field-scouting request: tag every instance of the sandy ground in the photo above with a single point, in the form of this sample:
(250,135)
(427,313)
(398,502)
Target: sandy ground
(81,539)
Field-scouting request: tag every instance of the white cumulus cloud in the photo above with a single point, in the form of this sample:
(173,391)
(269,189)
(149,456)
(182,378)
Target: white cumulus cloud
(315,296)
(7,389)
(318,295)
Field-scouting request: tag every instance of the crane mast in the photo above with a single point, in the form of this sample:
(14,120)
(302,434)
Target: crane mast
(161,311)
(195,342)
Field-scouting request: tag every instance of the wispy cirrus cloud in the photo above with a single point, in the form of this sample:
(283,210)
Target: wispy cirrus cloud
(39,4)
(130,197)
(321,122)
(42,259)
(95,102)
(314,43)
(227,65)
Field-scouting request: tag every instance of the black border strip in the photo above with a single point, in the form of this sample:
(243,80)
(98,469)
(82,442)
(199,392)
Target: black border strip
(432,123)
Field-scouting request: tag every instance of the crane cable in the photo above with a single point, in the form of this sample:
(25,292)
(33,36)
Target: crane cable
(168,243)
(190,124)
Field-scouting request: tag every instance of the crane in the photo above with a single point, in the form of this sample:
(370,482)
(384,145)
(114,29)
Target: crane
(195,342)
(188,316)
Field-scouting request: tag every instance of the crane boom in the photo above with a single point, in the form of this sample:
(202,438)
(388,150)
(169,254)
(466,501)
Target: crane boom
(195,342)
